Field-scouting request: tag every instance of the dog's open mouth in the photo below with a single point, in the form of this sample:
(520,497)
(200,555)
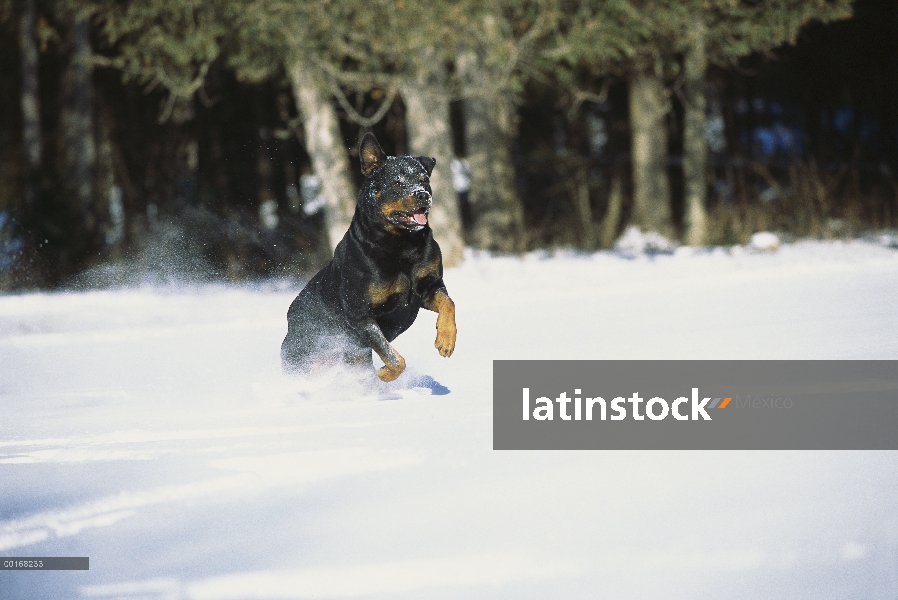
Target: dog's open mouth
(415,219)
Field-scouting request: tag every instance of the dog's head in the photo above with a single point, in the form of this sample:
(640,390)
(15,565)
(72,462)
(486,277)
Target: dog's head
(396,192)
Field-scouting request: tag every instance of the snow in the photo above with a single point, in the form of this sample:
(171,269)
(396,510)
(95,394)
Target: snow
(151,430)
(764,241)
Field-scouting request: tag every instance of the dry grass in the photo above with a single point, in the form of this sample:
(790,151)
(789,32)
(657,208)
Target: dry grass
(796,200)
(804,201)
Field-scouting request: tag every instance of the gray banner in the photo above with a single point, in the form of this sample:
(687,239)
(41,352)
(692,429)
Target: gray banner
(45,563)
(695,405)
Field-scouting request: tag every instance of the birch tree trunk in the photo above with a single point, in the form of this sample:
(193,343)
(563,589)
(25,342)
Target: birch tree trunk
(77,130)
(489,124)
(648,130)
(108,190)
(695,153)
(31,118)
(426,98)
(325,146)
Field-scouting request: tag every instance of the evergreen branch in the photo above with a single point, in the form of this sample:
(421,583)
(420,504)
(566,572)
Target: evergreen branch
(353,114)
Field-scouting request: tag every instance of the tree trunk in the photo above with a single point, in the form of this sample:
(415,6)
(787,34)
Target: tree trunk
(31,118)
(695,153)
(489,124)
(108,189)
(648,130)
(77,131)
(426,98)
(611,221)
(580,192)
(325,146)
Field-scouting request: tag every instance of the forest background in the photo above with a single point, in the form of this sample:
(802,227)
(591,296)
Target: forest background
(160,140)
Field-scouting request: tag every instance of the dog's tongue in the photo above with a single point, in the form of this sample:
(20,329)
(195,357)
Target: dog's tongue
(420,217)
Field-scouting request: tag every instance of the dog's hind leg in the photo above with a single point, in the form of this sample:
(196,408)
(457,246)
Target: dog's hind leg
(394,364)
(389,372)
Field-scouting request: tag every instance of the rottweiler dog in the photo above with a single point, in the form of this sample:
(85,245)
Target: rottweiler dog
(385,268)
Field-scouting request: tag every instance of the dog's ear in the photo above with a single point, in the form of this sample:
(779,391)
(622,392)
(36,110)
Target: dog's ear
(427,162)
(371,154)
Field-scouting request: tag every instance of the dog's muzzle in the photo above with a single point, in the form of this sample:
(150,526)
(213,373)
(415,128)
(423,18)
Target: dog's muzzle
(417,218)
(423,198)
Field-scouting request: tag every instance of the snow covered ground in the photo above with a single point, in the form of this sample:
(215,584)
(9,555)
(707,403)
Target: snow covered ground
(151,430)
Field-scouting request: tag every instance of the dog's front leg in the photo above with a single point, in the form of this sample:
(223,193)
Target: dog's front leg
(443,305)
(394,364)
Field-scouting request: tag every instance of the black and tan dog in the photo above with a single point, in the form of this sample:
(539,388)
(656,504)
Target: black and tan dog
(385,268)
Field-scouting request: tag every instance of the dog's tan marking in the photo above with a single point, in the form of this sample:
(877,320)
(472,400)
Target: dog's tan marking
(446,330)
(431,268)
(406,204)
(378,293)
(387,372)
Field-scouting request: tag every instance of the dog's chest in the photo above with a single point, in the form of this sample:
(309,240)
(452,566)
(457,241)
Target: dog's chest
(397,288)
(403,287)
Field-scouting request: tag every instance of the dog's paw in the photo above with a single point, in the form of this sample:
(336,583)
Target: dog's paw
(387,373)
(445,341)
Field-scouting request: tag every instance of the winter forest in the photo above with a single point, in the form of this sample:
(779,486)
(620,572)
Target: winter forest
(217,139)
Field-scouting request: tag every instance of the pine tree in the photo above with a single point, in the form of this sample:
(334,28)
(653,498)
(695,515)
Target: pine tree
(498,45)
(646,41)
(381,45)
(167,44)
(718,32)
(269,35)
